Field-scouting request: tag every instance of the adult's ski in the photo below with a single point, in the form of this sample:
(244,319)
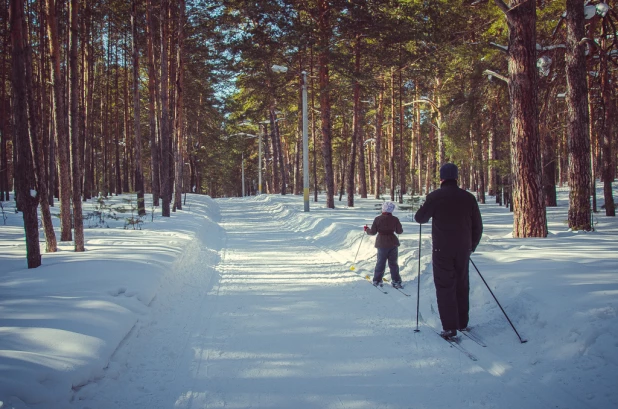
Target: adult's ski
(473,337)
(377,287)
(453,342)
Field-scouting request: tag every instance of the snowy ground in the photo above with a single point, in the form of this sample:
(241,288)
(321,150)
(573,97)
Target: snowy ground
(252,303)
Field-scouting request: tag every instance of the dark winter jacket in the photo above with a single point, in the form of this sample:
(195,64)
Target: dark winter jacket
(457,223)
(385,226)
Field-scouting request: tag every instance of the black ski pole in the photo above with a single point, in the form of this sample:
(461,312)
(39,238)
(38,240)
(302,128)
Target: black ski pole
(418,290)
(523,341)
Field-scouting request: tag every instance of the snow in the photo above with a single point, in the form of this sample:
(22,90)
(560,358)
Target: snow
(251,302)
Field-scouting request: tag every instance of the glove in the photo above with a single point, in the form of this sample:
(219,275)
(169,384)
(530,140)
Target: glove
(365,228)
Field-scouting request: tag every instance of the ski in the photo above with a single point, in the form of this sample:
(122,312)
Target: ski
(473,337)
(386,280)
(453,342)
(402,292)
(377,287)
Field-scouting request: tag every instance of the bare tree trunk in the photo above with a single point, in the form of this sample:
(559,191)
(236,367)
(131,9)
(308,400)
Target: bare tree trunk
(276,183)
(36,141)
(356,127)
(529,218)
(4,162)
(126,157)
(117,167)
(155,159)
(61,128)
(325,33)
(24,173)
(402,168)
(419,147)
(607,125)
(172,79)
(391,141)
(139,173)
(491,153)
(165,132)
(282,167)
(76,154)
(313,129)
(548,157)
(378,148)
(577,120)
(268,177)
(180,143)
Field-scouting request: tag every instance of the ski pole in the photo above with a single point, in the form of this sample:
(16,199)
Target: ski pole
(353,267)
(523,341)
(418,290)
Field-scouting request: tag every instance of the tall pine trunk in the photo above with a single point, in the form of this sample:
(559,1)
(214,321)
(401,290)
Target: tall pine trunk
(577,120)
(325,33)
(36,142)
(165,115)
(138,172)
(179,152)
(61,125)
(153,85)
(377,178)
(76,154)
(24,173)
(529,219)
(607,121)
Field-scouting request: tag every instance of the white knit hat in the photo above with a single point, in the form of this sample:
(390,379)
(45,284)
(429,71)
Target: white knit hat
(388,207)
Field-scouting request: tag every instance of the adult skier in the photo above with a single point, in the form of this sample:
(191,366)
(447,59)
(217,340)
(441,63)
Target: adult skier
(385,226)
(456,232)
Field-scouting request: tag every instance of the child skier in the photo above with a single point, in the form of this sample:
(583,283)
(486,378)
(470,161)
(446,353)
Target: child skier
(385,226)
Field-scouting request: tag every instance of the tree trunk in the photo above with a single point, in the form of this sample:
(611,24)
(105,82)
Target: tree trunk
(606,127)
(325,33)
(491,153)
(268,177)
(391,141)
(548,157)
(356,127)
(155,159)
(76,154)
(577,120)
(24,174)
(128,151)
(36,142)
(117,167)
(313,128)
(529,218)
(165,132)
(180,157)
(276,183)
(378,143)
(402,168)
(139,173)
(61,127)
(4,163)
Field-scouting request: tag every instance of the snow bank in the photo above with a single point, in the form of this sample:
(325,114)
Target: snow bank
(60,323)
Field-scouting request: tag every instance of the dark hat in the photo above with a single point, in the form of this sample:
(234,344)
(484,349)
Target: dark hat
(448,171)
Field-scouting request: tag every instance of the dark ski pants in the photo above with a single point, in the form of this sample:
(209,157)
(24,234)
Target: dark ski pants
(389,254)
(451,277)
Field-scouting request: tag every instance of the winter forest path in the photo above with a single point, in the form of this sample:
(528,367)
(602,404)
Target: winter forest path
(280,323)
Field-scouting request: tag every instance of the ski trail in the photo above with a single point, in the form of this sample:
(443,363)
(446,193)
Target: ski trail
(281,323)
(149,369)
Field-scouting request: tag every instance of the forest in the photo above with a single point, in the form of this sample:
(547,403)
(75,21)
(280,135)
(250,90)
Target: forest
(160,97)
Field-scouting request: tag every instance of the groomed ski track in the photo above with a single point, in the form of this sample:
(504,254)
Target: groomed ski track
(281,322)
